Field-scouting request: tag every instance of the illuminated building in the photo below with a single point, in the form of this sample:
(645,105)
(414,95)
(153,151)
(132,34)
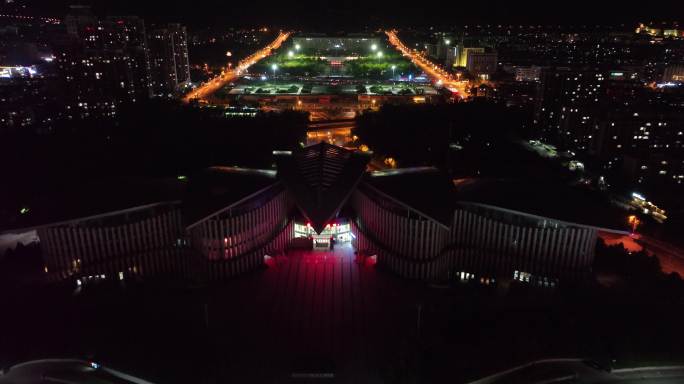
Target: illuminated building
(568,105)
(431,50)
(674,73)
(452,57)
(25,99)
(349,45)
(516,93)
(481,63)
(465,52)
(169,65)
(531,73)
(227,220)
(103,63)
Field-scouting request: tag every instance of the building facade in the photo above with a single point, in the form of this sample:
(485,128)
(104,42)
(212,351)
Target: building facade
(104,63)
(481,64)
(227,221)
(350,45)
(169,65)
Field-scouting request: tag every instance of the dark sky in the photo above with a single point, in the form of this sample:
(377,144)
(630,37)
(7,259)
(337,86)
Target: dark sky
(347,14)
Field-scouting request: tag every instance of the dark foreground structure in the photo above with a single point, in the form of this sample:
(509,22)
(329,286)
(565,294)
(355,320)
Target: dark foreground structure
(225,221)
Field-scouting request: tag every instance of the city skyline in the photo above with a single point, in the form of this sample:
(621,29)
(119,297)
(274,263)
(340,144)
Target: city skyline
(353,15)
(220,192)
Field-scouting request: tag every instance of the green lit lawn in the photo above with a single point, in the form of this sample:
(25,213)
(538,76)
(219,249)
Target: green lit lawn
(365,67)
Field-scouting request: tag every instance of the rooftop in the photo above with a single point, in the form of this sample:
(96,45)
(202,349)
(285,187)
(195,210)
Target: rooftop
(322,177)
(217,188)
(425,189)
(93,199)
(554,201)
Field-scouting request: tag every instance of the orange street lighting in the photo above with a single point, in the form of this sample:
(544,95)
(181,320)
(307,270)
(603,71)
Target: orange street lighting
(634,222)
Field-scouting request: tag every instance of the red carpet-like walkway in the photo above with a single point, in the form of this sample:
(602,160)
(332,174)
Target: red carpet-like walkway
(314,312)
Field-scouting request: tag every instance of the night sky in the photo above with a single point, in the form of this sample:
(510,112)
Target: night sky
(349,14)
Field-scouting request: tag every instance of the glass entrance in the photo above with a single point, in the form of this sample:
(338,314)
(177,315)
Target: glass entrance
(339,231)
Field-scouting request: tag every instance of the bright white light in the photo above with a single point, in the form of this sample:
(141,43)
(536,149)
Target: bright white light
(447,41)
(374,47)
(290,54)
(298,47)
(274,67)
(379,53)
(394,67)
(638,196)
(667,85)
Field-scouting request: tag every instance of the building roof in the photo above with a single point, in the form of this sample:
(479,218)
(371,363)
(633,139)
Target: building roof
(218,188)
(426,190)
(551,200)
(75,202)
(321,178)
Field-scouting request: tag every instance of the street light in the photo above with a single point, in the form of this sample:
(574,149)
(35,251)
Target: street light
(379,53)
(274,67)
(634,222)
(290,54)
(298,47)
(393,68)
(374,47)
(447,41)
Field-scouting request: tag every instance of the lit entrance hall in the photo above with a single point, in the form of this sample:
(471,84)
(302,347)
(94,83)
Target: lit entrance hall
(337,234)
(338,133)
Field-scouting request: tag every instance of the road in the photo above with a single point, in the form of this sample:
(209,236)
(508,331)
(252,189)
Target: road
(439,75)
(229,74)
(671,257)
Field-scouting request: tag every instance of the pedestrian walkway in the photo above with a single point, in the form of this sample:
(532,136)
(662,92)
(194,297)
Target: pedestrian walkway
(316,311)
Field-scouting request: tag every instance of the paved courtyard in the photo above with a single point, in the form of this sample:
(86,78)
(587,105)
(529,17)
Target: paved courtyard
(316,313)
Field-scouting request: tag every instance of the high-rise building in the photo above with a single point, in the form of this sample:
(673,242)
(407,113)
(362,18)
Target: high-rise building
(79,18)
(568,103)
(131,31)
(464,52)
(644,138)
(443,46)
(452,56)
(103,63)
(169,65)
(27,98)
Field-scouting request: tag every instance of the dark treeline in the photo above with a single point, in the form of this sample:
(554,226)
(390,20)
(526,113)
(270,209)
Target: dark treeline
(631,318)
(466,139)
(154,139)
